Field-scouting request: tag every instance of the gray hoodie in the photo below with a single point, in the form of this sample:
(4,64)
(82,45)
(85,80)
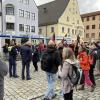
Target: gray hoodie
(64,72)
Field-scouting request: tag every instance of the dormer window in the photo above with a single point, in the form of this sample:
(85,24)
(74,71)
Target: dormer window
(45,10)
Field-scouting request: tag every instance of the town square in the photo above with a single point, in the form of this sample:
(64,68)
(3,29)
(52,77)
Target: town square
(49,50)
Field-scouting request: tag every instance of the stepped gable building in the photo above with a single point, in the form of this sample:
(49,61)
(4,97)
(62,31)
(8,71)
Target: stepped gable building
(60,17)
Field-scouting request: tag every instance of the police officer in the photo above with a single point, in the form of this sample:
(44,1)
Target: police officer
(12,59)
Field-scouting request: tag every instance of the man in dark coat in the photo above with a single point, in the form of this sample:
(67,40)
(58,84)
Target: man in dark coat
(3,72)
(26,55)
(51,68)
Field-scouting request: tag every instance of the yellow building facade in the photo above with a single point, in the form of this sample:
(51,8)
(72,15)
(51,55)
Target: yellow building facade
(69,21)
(91,23)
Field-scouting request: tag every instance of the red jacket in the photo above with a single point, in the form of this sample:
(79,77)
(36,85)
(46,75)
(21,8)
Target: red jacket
(84,60)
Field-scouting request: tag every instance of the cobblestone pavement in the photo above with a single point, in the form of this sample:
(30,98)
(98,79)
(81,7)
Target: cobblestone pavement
(16,89)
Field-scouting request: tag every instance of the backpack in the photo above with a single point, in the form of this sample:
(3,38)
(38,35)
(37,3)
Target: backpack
(46,61)
(76,75)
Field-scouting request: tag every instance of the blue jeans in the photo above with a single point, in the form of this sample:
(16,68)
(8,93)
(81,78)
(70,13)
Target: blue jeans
(27,66)
(12,67)
(51,85)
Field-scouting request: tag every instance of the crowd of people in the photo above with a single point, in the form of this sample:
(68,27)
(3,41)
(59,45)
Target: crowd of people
(56,59)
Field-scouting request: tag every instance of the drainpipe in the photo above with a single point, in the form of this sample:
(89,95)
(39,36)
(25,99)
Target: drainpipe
(46,31)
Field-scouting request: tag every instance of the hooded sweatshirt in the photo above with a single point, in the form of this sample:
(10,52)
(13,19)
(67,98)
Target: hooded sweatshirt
(64,72)
(53,60)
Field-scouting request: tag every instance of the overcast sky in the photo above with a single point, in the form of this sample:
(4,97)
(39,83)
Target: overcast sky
(84,5)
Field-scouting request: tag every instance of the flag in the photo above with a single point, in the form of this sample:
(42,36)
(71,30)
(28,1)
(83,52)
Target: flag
(78,39)
(53,38)
(62,41)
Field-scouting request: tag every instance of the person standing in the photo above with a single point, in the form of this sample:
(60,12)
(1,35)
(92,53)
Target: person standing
(26,55)
(3,72)
(50,61)
(12,60)
(98,59)
(65,71)
(5,51)
(92,60)
(35,57)
(85,66)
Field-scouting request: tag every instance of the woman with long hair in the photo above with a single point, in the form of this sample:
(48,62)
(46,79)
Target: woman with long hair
(65,71)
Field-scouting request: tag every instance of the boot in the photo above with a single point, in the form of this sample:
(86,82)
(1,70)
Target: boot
(81,87)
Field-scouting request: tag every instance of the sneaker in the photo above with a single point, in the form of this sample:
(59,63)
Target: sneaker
(15,76)
(54,96)
(28,78)
(23,78)
(46,99)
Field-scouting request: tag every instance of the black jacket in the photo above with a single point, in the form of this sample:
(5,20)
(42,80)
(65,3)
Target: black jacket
(26,53)
(60,50)
(13,52)
(53,59)
(35,56)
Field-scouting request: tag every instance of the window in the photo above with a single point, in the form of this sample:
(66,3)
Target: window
(9,26)
(21,27)
(27,28)
(33,16)
(93,18)
(82,19)
(93,35)
(87,27)
(32,28)
(26,1)
(87,18)
(40,31)
(68,30)
(93,26)
(27,14)
(21,13)
(77,21)
(45,10)
(62,29)
(67,18)
(87,35)
(52,29)
(73,31)
(9,9)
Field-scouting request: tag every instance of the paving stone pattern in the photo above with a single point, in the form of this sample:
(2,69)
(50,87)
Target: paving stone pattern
(16,89)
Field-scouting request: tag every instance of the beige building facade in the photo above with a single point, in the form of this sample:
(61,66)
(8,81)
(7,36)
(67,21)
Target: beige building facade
(60,17)
(91,23)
